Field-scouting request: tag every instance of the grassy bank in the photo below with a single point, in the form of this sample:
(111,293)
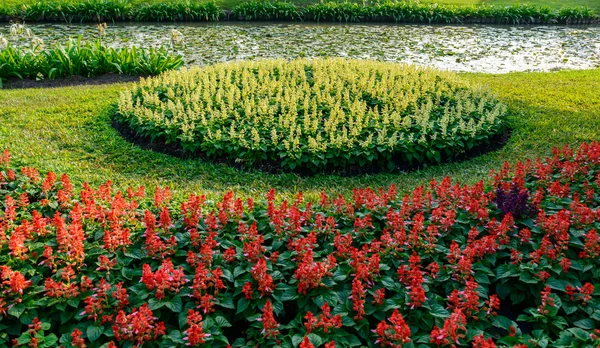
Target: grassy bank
(325,11)
(230,4)
(67,130)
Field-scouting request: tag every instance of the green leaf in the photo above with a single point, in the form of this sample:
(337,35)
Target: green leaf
(175,304)
(176,336)
(227,303)
(502,322)
(556,284)
(586,324)
(569,309)
(94,332)
(565,339)
(16,310)
(289,294)
(481,278)
(439,311)
(297,339)
(503,290)
(517,296)
(239,270)
(154,304)
(50,340)
(242,305)
(525,277)
(559,322)
(579,333)
(222,322)
(227,275)
(315,339)
(28,316)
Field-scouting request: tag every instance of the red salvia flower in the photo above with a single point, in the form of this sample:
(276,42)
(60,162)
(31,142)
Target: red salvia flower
(166,278)
(457,322)
(481,342)
(76,340)
(379,297)
(268,320)
(247,290)
(547,301)
(585,293)
(395,335)
(139,327)
(14,280)
(358,299)
(325,320)
(310,273)
(230,255)
(492,305)
(306,343)
(194,334)
(592,245)
(264,280)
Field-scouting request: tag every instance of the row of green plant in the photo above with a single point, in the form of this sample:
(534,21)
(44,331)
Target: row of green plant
(314,114)
(386,11)
(83,58)
(410,11)
(113,10)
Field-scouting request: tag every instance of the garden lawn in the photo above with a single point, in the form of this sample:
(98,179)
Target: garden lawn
(230,4)
(68,130)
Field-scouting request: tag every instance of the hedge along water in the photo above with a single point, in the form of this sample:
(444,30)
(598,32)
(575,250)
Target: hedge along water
(330,11)
(488,49)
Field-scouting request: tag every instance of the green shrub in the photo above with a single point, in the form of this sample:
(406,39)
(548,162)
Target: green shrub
(337,11)
(85,59)
(417,12)
(177,11)
(409,11)
(314,114)
(84,11)
(265,10)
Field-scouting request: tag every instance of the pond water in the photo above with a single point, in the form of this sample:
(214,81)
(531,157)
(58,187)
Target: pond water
(490,49)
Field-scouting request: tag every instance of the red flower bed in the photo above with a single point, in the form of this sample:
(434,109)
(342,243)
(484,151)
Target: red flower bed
(515,265)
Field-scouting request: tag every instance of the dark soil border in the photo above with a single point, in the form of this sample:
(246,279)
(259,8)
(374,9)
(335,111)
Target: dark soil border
(17,83)
(175,150)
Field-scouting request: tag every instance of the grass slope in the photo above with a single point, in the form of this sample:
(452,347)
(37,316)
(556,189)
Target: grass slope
(230,4)
(67,130)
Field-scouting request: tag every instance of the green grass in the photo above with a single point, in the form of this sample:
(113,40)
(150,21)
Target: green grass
(230,4)
(67,130)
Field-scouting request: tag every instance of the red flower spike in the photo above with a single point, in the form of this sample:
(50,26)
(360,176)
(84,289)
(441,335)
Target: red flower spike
(140,326)
(395,335)
(194,334)
(264,280)
(76,340)
(481,342)
(306,343)
(268,320)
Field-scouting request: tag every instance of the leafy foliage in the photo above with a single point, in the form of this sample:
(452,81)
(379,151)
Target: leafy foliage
(83,58)
(266,10)
(339,11)
(318,114)
(438,267)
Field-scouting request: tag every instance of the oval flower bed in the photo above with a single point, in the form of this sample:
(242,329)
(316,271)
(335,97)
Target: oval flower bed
(448,265)
(314,114)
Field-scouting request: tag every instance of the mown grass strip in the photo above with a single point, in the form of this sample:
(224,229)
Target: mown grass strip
(68,130)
